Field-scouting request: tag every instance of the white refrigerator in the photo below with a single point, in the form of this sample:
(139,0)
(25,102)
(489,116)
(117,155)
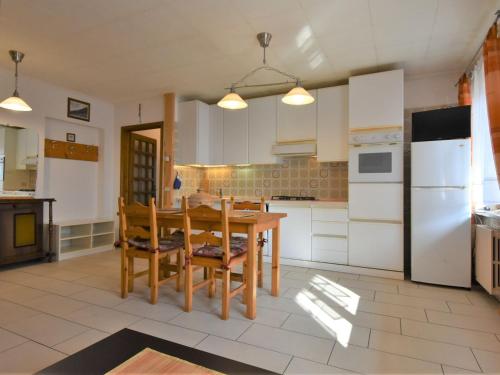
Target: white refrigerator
(441,212)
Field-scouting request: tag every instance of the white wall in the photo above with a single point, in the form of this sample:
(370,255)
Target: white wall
(430,91)
(49,103)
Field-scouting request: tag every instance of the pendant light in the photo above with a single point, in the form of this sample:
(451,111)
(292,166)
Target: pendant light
(232,101)
(15,103)
(296,96)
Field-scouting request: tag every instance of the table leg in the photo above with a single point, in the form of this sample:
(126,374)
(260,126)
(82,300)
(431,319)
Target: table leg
(51,233)
(251,292)
(275,284)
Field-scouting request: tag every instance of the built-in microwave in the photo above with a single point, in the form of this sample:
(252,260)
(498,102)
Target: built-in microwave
(376,158)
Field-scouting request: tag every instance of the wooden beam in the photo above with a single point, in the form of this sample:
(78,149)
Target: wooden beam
(168,175)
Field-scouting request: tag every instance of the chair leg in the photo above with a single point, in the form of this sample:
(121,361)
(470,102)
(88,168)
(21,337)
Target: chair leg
(178,280)
(188,288)
(153,276)
(260,265)
(130,274)
(226,289)
(211,286)
(150,278)
(124,274)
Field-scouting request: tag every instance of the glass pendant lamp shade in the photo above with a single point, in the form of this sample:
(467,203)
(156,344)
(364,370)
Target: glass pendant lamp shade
(232,101)
(298,96)
(15,103)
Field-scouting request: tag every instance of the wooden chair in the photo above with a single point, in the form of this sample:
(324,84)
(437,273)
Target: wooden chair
(214,253)
(253,206)
(137,242)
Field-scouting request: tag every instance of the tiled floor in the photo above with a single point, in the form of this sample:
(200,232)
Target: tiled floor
(324,322)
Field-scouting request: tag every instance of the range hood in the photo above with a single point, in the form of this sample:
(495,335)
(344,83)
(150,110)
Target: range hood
(306,148)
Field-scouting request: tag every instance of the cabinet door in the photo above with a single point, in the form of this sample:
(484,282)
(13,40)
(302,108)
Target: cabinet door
(333,123)
(295,232)
(261,130)
(186,133)
(376,100)
(235,140)
(296,122)
(216,135)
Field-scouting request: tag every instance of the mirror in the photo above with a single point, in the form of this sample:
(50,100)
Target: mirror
(18,159)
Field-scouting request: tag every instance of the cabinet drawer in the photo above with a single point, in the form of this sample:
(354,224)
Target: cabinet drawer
(329,243)
(329,228)
(329,214)
(339,257)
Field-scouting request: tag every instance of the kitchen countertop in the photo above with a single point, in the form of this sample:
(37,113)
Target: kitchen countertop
(327,203)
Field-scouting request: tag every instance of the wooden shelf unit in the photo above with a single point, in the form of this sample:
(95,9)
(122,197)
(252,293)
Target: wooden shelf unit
(83,237)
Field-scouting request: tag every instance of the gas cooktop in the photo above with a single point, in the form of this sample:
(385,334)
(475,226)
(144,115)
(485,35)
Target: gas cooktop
(291,198)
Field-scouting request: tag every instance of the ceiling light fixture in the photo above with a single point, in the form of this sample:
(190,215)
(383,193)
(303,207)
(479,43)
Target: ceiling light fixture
(15,103)
(296,96)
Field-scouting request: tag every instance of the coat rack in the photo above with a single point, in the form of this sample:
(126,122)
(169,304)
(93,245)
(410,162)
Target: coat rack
(70,150)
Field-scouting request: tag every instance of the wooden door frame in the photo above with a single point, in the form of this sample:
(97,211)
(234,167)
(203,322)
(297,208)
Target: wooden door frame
(124,157)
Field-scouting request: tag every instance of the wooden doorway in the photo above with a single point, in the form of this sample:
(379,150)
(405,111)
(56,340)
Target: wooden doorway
(141,167)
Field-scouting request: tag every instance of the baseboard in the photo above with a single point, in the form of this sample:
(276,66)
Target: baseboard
(340,268)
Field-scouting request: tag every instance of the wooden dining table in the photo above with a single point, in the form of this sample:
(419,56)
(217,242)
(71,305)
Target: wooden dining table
(244,222)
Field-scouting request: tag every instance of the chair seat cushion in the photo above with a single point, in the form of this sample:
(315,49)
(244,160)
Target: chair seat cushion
(243,240)
(211,251)
(165,244)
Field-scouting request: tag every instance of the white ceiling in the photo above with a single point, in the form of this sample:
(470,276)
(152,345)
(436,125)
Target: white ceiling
(130,49)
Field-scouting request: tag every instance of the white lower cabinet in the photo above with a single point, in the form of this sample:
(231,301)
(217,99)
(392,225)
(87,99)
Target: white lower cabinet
(295,231)
(329,239)
(329,249)
(376,245)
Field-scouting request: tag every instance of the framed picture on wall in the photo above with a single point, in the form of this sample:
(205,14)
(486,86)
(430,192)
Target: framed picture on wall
(78,109)
(70,137)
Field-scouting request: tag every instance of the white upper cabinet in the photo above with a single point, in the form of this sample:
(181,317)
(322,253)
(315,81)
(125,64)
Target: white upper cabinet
(261,130)
(376,100)
(216,135)
(296,122)
(235,139)
(193,133)
(333,123)
(26,148)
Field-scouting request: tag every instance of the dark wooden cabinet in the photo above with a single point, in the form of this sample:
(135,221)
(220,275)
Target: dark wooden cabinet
(21,230)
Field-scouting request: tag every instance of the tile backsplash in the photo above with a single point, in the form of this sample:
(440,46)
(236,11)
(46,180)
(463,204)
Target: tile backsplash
(293,176)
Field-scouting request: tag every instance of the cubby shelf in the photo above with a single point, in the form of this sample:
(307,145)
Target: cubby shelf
(83,237)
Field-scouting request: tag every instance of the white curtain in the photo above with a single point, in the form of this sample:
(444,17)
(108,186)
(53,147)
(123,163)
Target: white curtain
(485,189)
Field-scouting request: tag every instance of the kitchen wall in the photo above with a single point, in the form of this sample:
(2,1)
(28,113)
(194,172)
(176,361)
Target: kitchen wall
(49,106)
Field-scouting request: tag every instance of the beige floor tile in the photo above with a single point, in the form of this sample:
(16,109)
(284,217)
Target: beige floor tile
(291,292)
(55,304)
(161,311)
(304,346)
(398,299)
(332,288)
(102,318)
(481,299)
(283,304)
(291,283)
(9,340)
(388,309)
(98,297)
(100,282)
(368,285)
(330,328)
(212,324)
(442,294)
(249,354)
(299,366)
(464,321)
(450,370)
(66,275)
(333,275)
(201,302)
(269,317)
(488,361)
(426,350)
(20,293)
(10,312)
(375,321)
(17,361)
(451,335)
(169,332)
(370,361)
(381,280)
(477,311)
(81,341)
(45,329)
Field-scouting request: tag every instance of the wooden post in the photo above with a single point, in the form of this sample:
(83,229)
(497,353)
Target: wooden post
(166,193)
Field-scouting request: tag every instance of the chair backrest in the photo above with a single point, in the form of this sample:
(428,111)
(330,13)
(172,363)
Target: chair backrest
(206,237)
(135,218)
(250,206)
